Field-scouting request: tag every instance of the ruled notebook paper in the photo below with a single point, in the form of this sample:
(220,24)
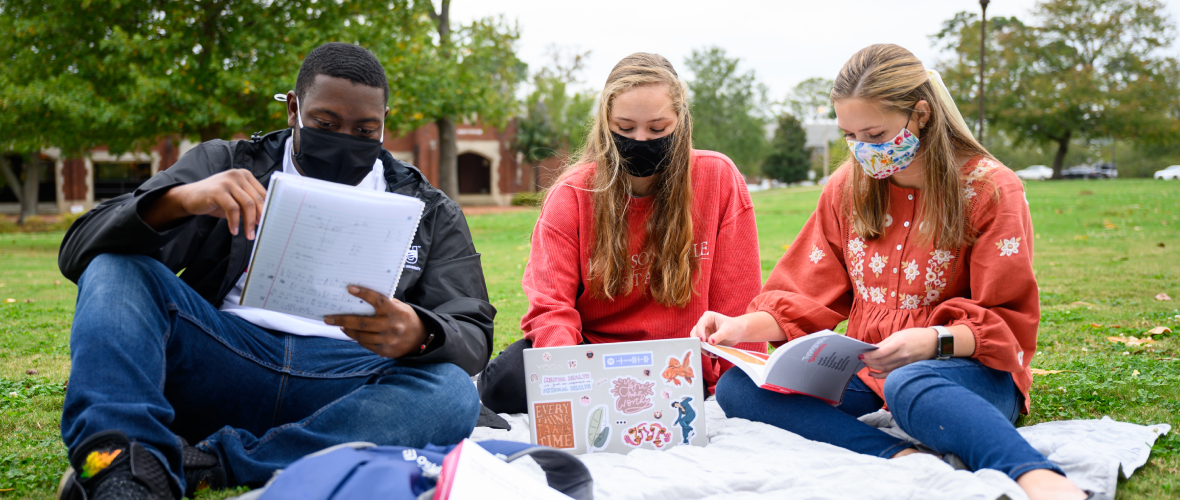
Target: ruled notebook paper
(318,237)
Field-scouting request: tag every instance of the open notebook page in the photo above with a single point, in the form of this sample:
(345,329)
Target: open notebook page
(318,237)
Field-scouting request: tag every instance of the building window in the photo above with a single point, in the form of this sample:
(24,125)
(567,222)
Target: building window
(112,179)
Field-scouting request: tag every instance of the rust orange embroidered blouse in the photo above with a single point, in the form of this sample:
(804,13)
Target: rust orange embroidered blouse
(893,282)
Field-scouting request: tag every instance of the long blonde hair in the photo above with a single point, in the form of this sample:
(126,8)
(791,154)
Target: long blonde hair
(891,76)
(669,235)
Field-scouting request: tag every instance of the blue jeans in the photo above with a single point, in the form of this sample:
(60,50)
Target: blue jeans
(155,360)
(955,406)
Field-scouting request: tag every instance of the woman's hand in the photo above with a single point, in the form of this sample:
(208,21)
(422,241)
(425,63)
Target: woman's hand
(900,349)
(716,328)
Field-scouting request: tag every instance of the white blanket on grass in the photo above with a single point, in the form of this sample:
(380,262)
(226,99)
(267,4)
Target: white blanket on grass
(747,459)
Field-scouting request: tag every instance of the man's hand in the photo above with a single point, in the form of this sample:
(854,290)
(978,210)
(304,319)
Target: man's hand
(900,349)
(234,195)
(394,331)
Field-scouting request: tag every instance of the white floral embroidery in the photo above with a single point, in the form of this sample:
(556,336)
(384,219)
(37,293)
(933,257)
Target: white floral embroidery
(911,271)
(856,246)
(969,192)
(878,263)
(878,294)
(888,220)
(909,301)
(1008,247)
(816,255)
(935,275)
(860,287)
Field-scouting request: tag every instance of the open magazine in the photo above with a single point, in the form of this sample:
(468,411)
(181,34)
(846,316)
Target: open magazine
(818,365)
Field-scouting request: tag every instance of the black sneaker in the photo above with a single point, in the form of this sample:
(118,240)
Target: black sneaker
(108,466)
(202,471)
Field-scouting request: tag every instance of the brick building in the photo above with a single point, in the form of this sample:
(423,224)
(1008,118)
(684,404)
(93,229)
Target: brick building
(490,171)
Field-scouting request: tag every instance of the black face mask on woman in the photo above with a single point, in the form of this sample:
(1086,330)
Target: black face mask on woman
(335,157)
(644,158)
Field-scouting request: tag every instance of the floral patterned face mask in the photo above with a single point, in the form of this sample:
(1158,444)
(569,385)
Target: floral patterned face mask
(884,159)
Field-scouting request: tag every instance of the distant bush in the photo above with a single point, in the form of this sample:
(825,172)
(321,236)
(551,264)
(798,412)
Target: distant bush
(528,199)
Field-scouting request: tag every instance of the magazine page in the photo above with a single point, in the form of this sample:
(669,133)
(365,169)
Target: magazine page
(753,363)
(818,365)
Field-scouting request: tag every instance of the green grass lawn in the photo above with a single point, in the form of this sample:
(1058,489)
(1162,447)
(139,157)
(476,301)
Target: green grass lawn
(1104,250)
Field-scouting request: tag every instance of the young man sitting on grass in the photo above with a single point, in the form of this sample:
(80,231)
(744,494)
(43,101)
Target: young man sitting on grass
(164,356)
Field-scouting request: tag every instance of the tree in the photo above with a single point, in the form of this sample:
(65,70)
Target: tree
(1092,69)
(471,72)
(727,108)
(788,161)
(811,100)
(554,118)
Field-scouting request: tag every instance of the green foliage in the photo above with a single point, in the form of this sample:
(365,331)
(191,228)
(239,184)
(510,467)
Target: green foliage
(471,74)
(727,108)
(79,74)
(811,100)
(788,161)
(1090,69)
(555,119)
(528,199)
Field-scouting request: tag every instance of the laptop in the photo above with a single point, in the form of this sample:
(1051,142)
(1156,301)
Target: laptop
(616,397)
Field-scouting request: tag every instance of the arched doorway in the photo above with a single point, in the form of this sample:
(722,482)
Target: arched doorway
(475,174)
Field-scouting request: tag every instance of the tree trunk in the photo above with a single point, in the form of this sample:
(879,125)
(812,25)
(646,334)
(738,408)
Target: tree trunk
(448,159)
(28,204)
(210,132)
(10,178)
(1062,149)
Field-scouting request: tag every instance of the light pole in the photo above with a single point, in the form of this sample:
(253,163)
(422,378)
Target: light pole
(982,63)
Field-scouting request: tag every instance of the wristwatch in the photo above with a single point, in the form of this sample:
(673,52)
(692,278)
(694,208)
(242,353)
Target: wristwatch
(946,343)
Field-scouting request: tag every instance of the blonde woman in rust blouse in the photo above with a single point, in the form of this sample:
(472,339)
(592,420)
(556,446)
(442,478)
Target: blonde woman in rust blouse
(923,242)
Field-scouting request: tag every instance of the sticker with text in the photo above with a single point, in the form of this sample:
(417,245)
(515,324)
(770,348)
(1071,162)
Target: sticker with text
(561,384)
(555,424)
(632,396)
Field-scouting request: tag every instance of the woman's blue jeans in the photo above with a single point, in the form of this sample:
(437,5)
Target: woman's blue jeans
(155,360)
(955,406)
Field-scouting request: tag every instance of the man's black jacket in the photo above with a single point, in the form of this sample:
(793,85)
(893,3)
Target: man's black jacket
(443,283)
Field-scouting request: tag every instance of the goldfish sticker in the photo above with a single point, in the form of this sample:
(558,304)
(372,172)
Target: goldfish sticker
(679,369)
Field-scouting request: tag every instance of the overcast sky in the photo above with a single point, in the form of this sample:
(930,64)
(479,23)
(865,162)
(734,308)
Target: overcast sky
(783,41)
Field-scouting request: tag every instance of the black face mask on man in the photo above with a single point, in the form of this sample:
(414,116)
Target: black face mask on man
(335,157)
(644,158)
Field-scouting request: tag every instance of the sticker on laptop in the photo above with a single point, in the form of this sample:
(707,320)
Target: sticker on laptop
(648,432)
(679,370)
(627,360)
(686,415)
(597,429)
(632,396)
(555,424)
(561,384)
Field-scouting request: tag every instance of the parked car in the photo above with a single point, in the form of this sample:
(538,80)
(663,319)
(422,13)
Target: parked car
(1078,172)
(1169,174)
(1096,171)
(1035,173)
(1106,170)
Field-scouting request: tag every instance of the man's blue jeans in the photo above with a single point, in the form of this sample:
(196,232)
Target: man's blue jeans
(153,359)
(955,406)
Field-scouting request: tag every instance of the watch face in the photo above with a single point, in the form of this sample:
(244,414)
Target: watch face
(946,345)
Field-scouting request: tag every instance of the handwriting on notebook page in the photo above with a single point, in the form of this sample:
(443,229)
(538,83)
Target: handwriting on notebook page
(317,238)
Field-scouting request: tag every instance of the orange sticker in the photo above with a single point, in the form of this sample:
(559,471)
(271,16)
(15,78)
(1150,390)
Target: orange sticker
(555,424)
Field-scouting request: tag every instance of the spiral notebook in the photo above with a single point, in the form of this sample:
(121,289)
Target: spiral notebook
(318,237)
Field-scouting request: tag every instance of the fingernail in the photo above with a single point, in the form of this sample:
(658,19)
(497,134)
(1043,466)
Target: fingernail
(860,357)
(353,289)
(330,321)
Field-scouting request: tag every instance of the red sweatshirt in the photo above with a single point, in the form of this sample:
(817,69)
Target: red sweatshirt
(725,243)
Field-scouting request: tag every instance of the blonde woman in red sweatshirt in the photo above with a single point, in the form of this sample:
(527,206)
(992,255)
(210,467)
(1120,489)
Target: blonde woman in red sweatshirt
(638,237)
